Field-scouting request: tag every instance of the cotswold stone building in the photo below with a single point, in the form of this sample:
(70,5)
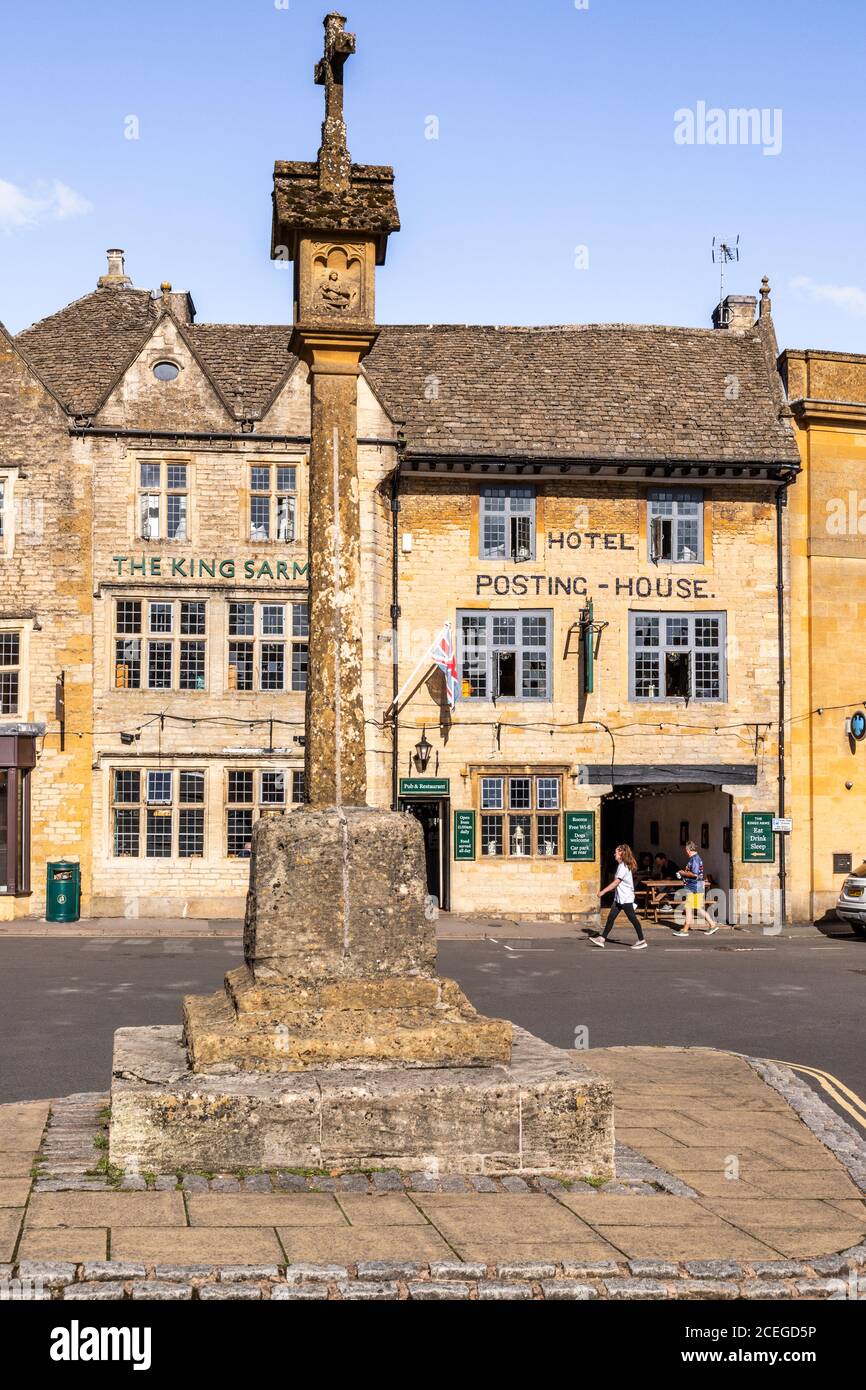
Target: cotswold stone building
(596,511)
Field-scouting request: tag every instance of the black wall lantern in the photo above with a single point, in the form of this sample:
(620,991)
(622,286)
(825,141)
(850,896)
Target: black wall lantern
(423,749)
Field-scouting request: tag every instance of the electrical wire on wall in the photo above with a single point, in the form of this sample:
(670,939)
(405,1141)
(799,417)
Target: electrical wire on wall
(629,730)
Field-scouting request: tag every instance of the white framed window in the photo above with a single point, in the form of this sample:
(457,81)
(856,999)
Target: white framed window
(505,656)
(160,644)
(268,646)
(676,526)
(10,671)
(163,500)
(273,502)
(158,813)
(507,530)
(677,656)
(520,815)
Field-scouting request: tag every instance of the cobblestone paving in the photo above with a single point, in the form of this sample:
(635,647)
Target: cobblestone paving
(440,1281)
(77,1125)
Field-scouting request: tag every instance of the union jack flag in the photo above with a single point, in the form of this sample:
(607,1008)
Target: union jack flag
(442,653)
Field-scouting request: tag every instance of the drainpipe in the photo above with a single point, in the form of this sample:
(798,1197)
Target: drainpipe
(395,619)
(781,504)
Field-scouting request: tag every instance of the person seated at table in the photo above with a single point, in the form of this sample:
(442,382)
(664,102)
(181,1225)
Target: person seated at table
(644,866)
(662,866)
(663,869)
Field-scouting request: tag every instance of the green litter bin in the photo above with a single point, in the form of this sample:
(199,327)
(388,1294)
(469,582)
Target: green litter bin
(63,895)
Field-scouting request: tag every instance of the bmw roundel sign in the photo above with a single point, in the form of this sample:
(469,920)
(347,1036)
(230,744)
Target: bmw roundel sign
(858,725)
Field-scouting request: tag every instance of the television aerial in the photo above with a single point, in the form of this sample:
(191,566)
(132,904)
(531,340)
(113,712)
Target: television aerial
(724,252)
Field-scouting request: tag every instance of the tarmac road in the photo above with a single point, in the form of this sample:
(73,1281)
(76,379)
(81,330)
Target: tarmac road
(796,998)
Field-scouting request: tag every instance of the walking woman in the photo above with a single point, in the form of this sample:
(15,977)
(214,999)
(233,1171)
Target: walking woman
(623,886)
(693,876)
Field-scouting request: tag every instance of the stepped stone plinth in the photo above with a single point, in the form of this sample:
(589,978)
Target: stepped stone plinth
(337,1044)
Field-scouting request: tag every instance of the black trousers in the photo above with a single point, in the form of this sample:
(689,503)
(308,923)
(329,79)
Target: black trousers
(628,909)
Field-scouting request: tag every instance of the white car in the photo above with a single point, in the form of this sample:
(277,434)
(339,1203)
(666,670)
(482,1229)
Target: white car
(851,906)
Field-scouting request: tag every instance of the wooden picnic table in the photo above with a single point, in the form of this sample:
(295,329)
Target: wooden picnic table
(659,889)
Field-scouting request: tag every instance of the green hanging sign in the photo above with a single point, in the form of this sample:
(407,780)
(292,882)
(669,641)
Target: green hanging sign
(579,837)
(464,834)
(425,786)
(759,842)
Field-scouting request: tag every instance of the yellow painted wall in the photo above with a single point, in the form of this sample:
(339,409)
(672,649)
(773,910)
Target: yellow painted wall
(828,622)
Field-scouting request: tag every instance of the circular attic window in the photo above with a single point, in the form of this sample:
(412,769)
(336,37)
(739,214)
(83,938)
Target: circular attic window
(166,371)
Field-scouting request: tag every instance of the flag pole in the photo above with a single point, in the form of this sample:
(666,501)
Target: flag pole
(426,660)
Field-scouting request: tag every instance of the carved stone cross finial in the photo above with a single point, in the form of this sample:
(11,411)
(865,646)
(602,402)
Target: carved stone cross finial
(335,163)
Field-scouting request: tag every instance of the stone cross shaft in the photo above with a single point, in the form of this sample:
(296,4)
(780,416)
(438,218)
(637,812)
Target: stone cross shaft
(336,772)
(335,162)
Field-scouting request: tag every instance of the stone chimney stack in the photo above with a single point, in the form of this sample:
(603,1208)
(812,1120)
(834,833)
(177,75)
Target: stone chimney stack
(116,277)
(736,313)
(178,303)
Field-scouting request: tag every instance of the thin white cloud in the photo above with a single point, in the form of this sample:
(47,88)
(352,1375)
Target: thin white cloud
(848,297)
(46,201)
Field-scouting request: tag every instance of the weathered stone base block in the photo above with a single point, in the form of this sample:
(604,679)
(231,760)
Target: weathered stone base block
(542,1112)
(380,1022)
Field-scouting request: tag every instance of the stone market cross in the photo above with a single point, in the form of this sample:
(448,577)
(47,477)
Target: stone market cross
(337,1042)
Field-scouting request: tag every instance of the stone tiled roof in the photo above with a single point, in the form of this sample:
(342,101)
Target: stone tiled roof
(594,391)
(79,351)
(246,360)
(605,391)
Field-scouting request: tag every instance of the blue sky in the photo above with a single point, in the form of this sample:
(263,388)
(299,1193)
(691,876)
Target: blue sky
(556,131)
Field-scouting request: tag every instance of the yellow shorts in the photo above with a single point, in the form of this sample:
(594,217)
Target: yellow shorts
(695,900)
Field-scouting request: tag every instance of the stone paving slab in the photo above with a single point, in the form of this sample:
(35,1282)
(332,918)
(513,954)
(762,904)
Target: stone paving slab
(107,1209)
(558,1249)
(716,1239)
(10,1223)
(812,1244)
(23,1127)
(14,1191)
(16,1165)
(716,1184)
(637,1211)
(852,1207)
(480,1217)
(804,1214)
(211,1245)
(389,1209)
(325,1245)
(74,1244)
(278,1209)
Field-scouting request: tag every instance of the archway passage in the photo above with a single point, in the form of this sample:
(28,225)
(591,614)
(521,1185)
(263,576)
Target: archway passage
(659,818)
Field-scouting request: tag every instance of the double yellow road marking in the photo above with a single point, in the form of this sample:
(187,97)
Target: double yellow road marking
(846,1099)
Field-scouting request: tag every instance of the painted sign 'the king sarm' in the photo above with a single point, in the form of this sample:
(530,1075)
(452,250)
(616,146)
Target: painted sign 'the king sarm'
(192,567)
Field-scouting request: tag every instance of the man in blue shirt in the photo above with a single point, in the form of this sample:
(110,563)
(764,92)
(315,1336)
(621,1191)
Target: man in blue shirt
(693,877)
